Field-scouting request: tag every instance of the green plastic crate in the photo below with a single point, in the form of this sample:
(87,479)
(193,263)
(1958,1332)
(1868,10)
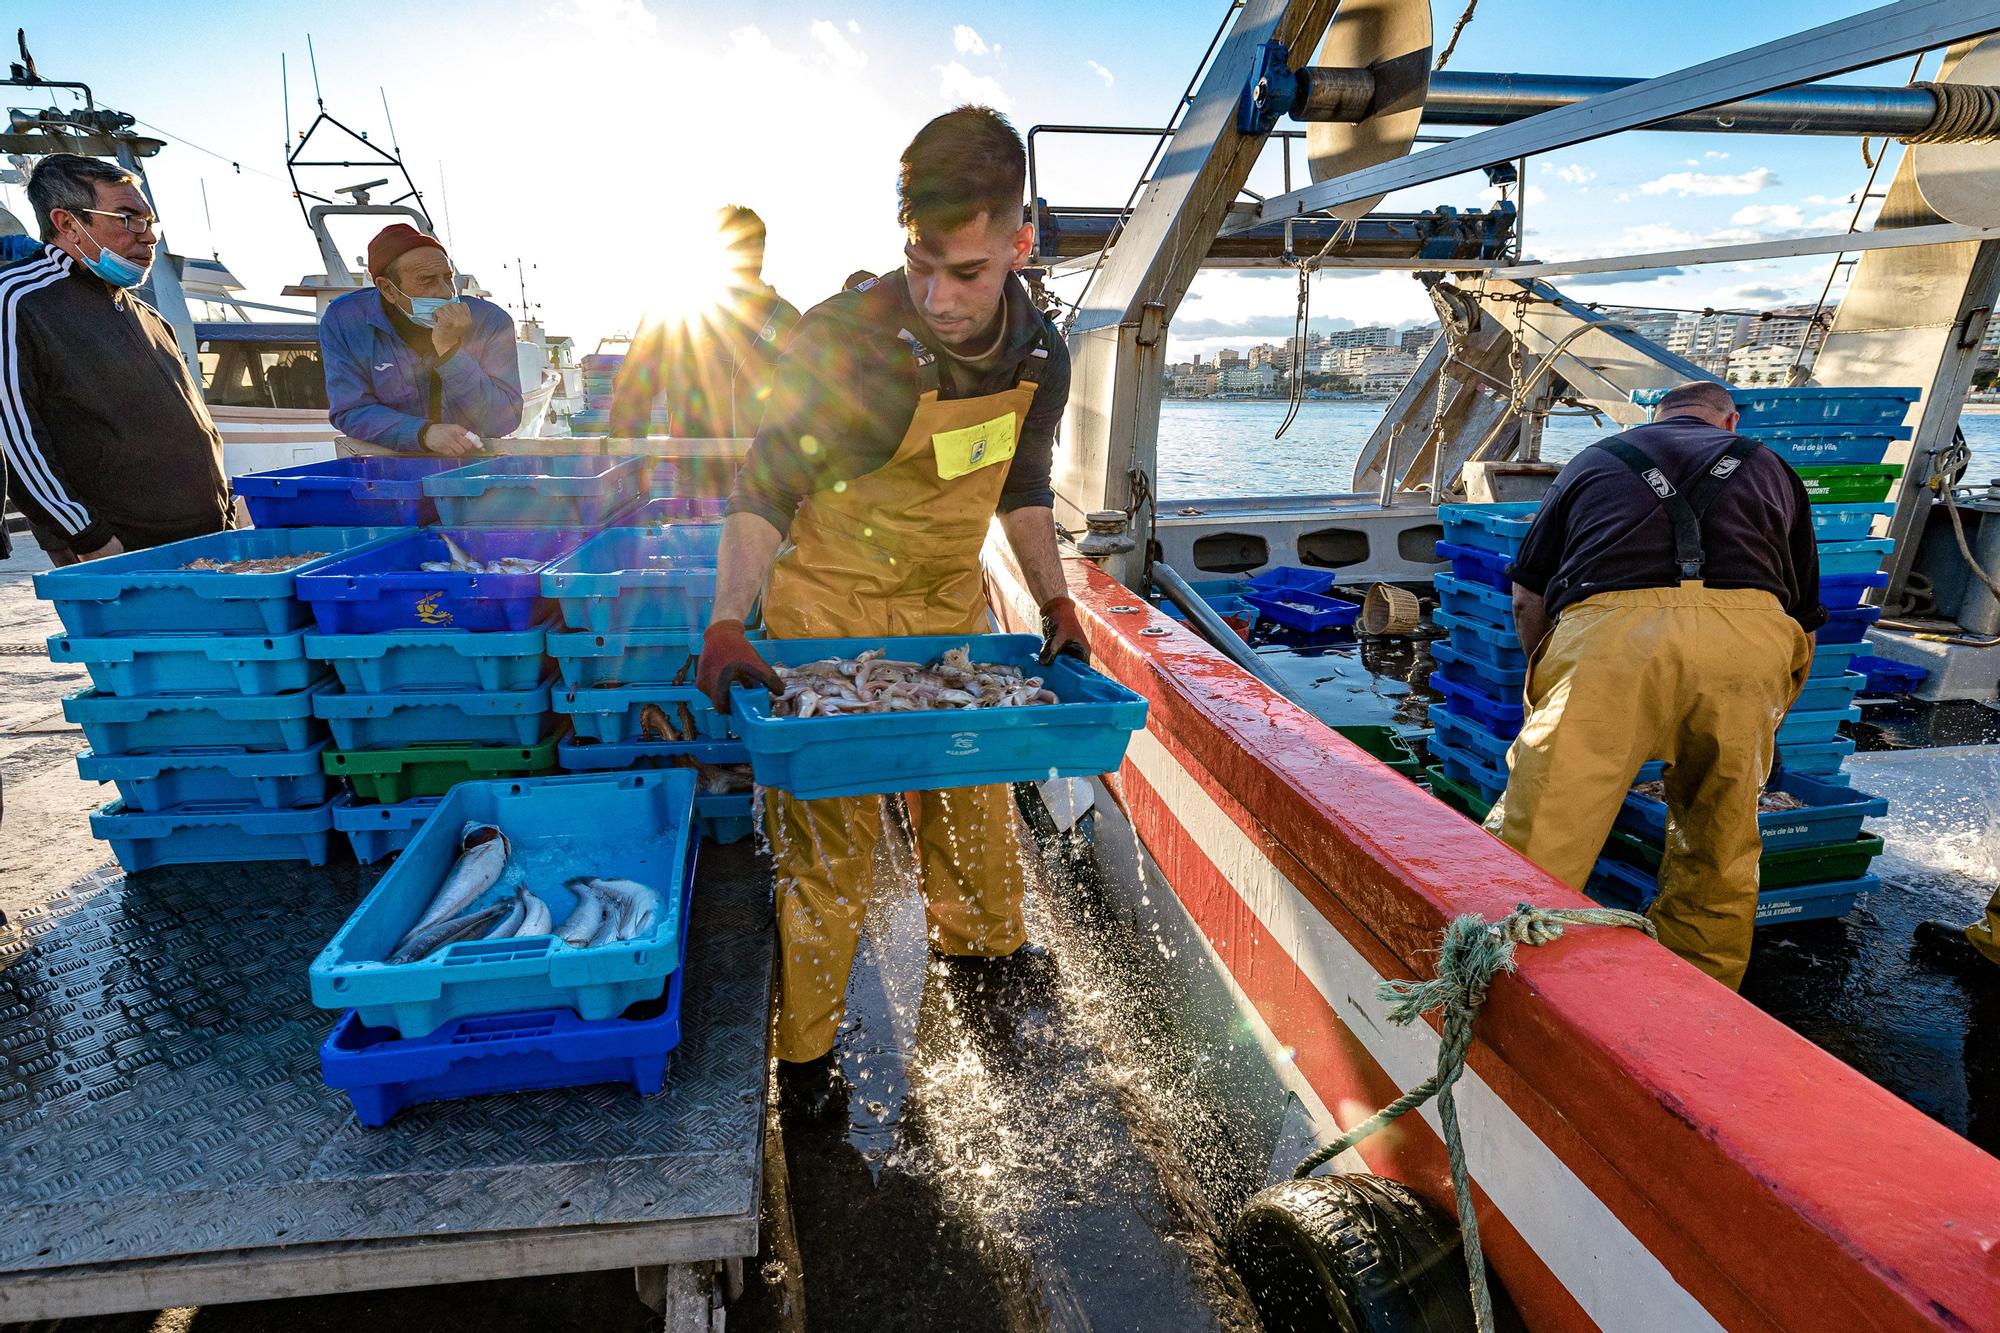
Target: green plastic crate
(1385,744)
(389,776)
(1784,868)
(1457,795)
(1834,484)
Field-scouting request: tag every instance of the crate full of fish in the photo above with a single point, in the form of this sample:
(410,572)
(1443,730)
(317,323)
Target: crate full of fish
(1777,868)
(539,893)
(155,723)
(1618,884)
(405,771)
(430,659)
(625,657)
(635,578)
(860,716)
(439,578)
(1308,612)
(151,783)
(1794,810)
(364,491)
(135,664)
(434,717)
(209,831)
(618,713)
(238,582)
(379,831)
(564,490)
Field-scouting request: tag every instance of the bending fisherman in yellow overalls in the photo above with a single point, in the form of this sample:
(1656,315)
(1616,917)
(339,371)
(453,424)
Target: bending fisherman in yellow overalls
(904,416)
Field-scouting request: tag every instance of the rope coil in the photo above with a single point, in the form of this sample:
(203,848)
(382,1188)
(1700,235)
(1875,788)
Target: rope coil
(1474,951)
(1966,113)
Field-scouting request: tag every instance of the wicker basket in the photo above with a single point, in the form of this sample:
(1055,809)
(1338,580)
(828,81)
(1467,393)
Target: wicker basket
(1389,611)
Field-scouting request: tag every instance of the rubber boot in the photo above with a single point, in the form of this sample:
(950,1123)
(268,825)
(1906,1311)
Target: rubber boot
(1944,946)
(812,1094)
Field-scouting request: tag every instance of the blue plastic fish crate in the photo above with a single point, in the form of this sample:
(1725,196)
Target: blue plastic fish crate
(602,756)
(387,587)
(1799,407)
(1822,759)
(1833,659)
(433,659)
(1810,728)
(638,578)
(1498,717)
(1495,681)
(1845,523)
(115,726)
(1476,601)
(136,664)
(1833,814)
(1469,564)
(366,491)
(1818,446)
(726,817)
(1083,735)
(436,717)
(1482,642)
(1291,578)
(210,831)
(1884,675)
(378,831)
(1822,693)
(1843,592)
(670,510)
(611,825)
(567,490)
(150,591)
(1488,527)
(1848,626)
(1619,884)
(625,657)
(1469,770)
(151,783)
(1863,556)
(616,713)
(1468,737)
(382,1073)
(1307,612)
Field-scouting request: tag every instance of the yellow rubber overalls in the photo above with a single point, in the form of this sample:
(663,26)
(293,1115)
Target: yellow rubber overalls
(894,552)
(1985,932)
(1696,676)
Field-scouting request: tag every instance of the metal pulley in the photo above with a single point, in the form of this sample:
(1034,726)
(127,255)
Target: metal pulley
(1961,181)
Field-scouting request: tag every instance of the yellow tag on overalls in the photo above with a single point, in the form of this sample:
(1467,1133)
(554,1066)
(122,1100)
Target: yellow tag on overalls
(974,447)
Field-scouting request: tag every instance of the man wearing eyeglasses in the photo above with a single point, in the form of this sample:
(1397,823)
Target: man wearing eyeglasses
(411,364)
(107,440)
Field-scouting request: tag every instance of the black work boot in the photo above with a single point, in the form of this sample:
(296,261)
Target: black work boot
(812,1092)
(1944,946)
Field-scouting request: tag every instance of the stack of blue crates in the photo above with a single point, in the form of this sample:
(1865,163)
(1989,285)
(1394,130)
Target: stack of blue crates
(634,602)
(1481,670)
(202,710)
(600,376)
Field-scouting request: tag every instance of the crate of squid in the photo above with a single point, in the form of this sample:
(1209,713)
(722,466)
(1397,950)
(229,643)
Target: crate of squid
(858,717)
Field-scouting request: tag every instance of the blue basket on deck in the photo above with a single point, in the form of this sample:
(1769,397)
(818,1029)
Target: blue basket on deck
(618,713)
(214,831)
(154,723)
(722,817)
(1823,693)
(1620,884)
(1464,736)
(1307,612)
(1884,675)
(1844,559)
(378,831)
(1810,728)
(1832,659)
(1083,735)
(136,664)
(614,825)
(437,717)
(1818,446)
(1833,814)
(1469,564)
(669,510)
(1468,769)
(1822,759)
(1845,523)
(634,578)
(629,657)
(432,659)
(1475,601)
(1498,528)
(1482,642)
(273,780)
(362,491)
(1497,682)
(1858,408)
(1471,703)
(151,591)
(1292,578)
(566,490)
(1848,626)
(386,587)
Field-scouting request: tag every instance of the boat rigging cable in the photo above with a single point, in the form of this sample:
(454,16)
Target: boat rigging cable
(1472,953)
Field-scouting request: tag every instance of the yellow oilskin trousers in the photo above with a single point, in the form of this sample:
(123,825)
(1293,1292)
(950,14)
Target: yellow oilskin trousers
(1696,676)
(1984,934)
(895,552)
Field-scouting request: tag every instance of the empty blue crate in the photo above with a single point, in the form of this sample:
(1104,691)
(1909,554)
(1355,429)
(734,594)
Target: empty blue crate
(364,491)
(1469,564)
(429,659)
(1082,735)
(588,756)
(210,831)
(1469,769)
(151,783)
(154,592)
(568,490)
(619,713)
(1818,446)
(387,587)
(1308,612)
(1844,592)
(134,664)
(1499,717)
(1845,523)
(625,657)
(1821,759)
(1468,737)
(1488,527)
(1619,884)
(664,511)
(1833,814)
(1861,556)
(1823,693)
(1495,681)
(1804,727)
(437,717)
(612,825)
(725,817)
(1475,601)
(1847,626)
(1833,659)
(1882,675)
(180,721)
(637,578)
(1857,408)
(378,831)
(1482,642)
(1291,578)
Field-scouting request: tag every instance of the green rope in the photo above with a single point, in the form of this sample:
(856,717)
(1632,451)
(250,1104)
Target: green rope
(1473,953)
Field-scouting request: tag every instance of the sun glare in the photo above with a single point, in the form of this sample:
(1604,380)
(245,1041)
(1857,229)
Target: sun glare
(700,277)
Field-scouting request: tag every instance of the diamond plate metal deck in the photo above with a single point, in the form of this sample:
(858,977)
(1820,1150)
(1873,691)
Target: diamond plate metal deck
(160,1093)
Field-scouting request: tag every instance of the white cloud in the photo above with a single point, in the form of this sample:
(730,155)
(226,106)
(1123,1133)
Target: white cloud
(1575,173)
(838,49)
(1100,72)
(854,27)
(1703,185)
(959,85)
(1714,156)
(608,18)
(968,41)
(1784,217)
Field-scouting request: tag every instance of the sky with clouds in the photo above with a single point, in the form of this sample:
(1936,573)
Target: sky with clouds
(581,136)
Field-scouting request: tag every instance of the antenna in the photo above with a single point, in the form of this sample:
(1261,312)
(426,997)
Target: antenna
(209,220)
(313,57)
(444,195)
(285,92)
(394,147)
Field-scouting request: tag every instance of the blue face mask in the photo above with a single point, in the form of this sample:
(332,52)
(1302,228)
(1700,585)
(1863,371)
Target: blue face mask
(424,309)
(115,268)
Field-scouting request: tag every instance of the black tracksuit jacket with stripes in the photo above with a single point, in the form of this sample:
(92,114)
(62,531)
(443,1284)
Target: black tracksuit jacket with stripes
(103,430)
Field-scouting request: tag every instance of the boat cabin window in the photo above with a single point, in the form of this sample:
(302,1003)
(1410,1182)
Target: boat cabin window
(262,374)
